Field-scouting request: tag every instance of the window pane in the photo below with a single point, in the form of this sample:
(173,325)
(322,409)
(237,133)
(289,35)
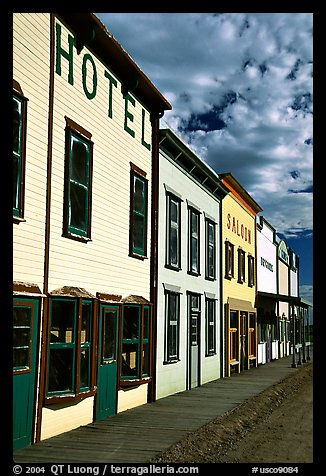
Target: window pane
(139,195)
(21,358)
(194,329)
(86,322)
(146,323)
(84,368)
(130,360)
(62,321)
(60,370)
(174,209)
(139,232)
(17,125)
(22,321)
(233,319)
(79,161)
(77,209)
(109,335)
(194,255)
(172,326)
(174,238)
(131,323)
(145,370)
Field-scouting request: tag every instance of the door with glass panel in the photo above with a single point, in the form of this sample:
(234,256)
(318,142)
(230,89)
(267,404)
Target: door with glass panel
(108,362)
(25,328)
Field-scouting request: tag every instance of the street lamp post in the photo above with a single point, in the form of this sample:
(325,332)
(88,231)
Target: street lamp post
(293,338)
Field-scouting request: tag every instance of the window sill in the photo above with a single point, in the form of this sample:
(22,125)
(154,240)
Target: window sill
(18,219)
(133,382)
(193,273)
(168,362)
(173,268)
(72,236)
(69,398)
(137,256)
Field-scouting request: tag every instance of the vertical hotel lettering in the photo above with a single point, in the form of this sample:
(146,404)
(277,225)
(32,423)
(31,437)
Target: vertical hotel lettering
(90,84)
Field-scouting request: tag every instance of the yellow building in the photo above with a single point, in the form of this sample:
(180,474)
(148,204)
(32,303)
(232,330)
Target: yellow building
(239,268)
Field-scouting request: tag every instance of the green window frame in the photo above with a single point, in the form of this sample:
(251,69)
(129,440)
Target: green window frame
(210,249)
(78,182)
(23,329)
(19,150)
(136,343)
(210,315)
(70,348)
(138,213)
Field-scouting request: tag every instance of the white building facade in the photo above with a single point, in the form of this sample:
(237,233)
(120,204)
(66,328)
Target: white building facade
(189,300)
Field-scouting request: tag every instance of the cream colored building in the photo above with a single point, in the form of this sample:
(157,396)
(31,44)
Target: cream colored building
(239,269)
(85,124)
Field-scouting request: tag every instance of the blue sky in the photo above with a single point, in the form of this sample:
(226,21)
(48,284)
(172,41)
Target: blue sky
(241,89)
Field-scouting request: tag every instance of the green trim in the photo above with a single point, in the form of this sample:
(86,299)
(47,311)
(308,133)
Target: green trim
(113,82)
(128,114)
(89,95)
(69,56)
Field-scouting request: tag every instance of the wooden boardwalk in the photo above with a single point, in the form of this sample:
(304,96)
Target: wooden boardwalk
(136,435)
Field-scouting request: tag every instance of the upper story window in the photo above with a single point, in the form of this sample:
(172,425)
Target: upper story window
(138,212)
(251,271)
(173,231)
(19,149)
(229,260)
(78,182)
(241,266)
(194,242)
(210,249)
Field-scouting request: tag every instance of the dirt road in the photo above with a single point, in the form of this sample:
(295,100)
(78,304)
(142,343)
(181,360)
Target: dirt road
(275,426)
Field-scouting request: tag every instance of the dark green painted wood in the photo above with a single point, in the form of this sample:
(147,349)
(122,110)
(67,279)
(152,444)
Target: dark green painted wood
(24,385)
(108,362)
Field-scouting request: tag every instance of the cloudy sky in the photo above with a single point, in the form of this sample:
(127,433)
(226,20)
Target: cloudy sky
(240,85)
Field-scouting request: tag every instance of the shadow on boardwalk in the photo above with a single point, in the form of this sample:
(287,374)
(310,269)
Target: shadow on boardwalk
(137,435)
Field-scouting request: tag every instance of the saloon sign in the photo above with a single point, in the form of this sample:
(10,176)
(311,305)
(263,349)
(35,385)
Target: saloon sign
(238,228)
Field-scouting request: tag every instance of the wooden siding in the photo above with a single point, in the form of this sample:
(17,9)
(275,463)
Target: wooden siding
(172,378)
(31,52)
(102,264)
(58,418)
(132,398)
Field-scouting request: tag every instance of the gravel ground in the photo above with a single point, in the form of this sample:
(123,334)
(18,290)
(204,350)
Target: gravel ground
(275,426)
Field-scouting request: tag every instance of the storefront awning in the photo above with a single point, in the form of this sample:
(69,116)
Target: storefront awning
(282,298)
(240,305)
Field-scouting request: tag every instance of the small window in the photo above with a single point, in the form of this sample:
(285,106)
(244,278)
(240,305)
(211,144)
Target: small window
(210,343)
(22,336)
(194,242)
(251,271)
(172,319)
(70,347)
(138,212)
(78,183)
(18,150)
(173,232)
(241,266)
(229,260)
(210,250)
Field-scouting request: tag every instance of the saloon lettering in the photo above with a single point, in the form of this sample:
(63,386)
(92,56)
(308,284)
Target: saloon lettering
(90,81)
(238,228)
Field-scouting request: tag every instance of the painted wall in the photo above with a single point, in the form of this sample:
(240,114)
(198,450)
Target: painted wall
(101,264)
(31,51)
(235,216)
(171,378)
(266,260)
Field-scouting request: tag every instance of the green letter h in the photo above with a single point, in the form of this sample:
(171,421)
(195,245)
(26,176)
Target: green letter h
(69,56)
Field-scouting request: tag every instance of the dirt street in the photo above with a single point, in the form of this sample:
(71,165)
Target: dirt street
(275,426)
